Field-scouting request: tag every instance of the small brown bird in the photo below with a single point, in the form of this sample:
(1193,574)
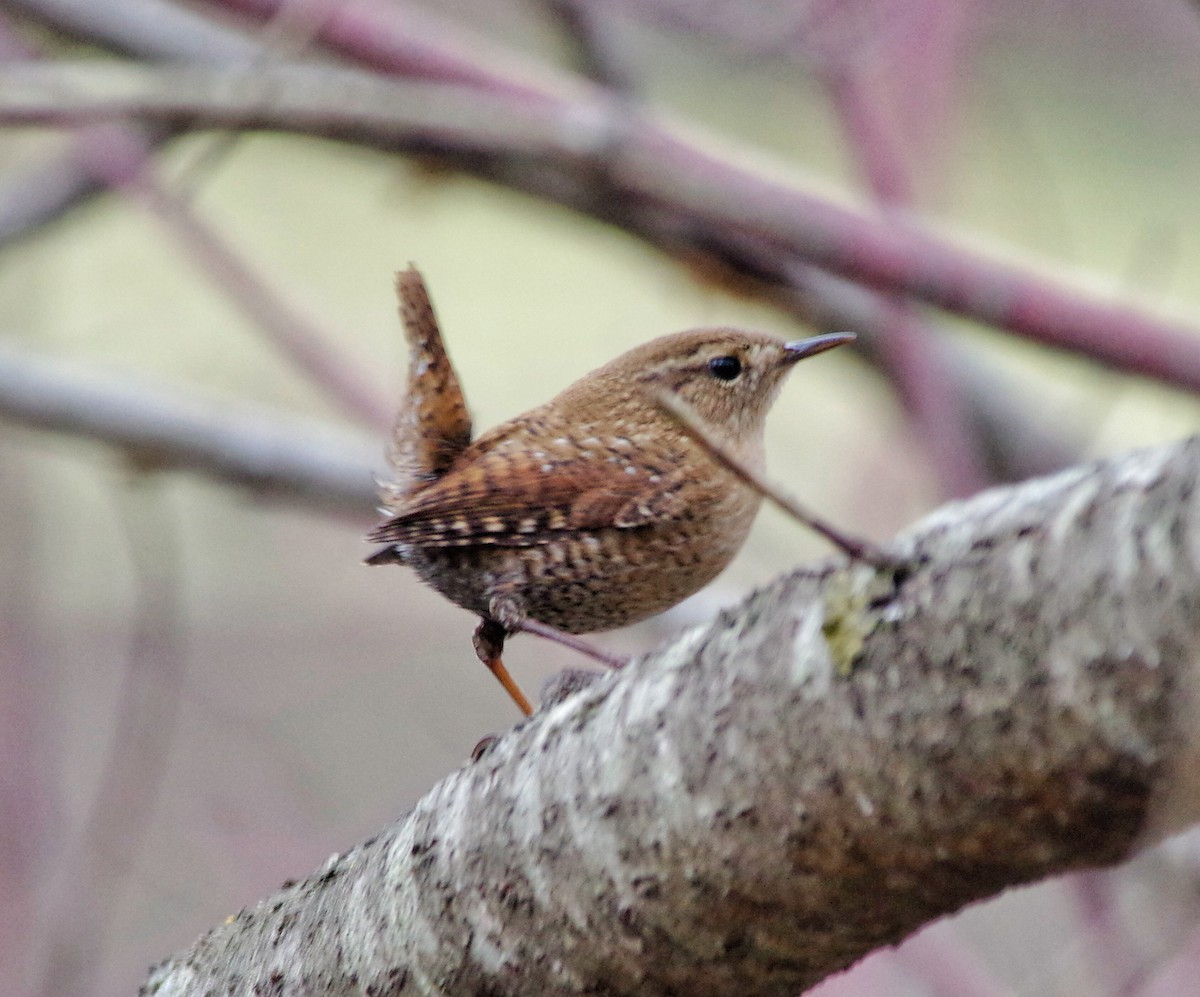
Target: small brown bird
(592,511)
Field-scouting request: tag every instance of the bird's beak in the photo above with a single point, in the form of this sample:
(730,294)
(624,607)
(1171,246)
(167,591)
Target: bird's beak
(800,348)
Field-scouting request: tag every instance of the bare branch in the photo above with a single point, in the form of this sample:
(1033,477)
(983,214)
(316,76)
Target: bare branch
(151,29)
(143,729)
(36,197)
(316,99)
(297,462)
(121,155)
(817,774)
(404,40)
(892,255)
(913,359)
(1015,446)
(594,54)
(554,148)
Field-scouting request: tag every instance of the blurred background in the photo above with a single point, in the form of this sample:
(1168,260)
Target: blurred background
(203,691)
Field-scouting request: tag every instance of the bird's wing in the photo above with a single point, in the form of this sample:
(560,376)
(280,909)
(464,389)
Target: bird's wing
(514,499)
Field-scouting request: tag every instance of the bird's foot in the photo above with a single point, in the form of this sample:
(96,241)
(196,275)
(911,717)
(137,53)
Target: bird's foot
(489,645)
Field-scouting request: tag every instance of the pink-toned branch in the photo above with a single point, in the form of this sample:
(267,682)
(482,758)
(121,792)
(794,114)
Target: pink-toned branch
(895,254)
(909,351)
(398,40)
(507,141)
(555,151)
(121,157)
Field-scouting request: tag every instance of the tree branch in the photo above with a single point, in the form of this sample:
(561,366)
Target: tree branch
(307,463)
(562,148)
(895,254)
(151,29)
(151,693)
(842,759)
(366,34)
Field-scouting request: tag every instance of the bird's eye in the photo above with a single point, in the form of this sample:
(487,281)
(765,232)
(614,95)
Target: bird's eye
(725,368)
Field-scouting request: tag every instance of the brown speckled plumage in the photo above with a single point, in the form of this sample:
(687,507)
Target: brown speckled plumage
(592,511)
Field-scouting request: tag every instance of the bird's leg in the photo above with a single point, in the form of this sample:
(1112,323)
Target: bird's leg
(489,645)
(573,642)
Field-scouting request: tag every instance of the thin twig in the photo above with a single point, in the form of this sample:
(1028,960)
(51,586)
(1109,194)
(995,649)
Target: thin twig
(855,548)
(577,644)
(121,156)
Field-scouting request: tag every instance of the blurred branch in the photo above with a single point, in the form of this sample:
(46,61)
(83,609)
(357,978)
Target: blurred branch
(307,464)
(656,183)
(594,54)
(1015,443)
(320,100)
(754,261)
(38,195)
(1016,707)
(405,41)
(143,730)
(151,29)
(31,810)
(295,462)
(122,157)
(909,352)
(656,169)
(42,194)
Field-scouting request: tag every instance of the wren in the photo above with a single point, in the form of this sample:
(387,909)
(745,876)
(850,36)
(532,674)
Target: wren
(592,511)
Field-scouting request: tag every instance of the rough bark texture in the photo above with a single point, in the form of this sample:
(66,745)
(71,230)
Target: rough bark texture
(838,761)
